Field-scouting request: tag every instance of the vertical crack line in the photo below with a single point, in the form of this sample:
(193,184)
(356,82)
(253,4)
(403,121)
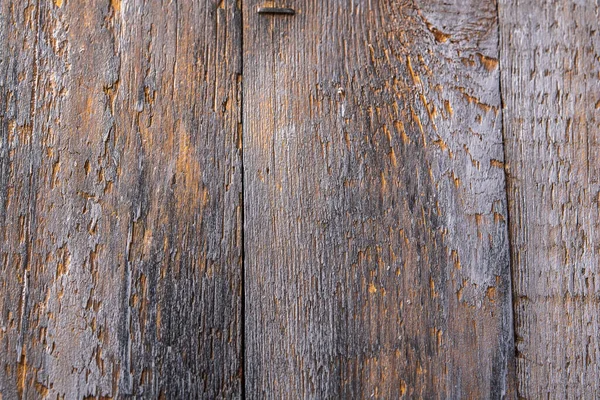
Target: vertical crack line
(240,77)
(511,323)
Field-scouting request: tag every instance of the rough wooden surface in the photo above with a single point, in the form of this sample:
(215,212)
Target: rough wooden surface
(368,216)
(377,260)
(120,199)
(551,90)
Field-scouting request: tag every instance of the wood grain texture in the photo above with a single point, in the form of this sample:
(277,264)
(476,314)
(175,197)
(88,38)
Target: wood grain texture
(120,199)
(551,90)
(376,249)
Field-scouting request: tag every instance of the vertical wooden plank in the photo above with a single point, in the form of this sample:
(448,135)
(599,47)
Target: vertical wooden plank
(121,195)
(551,90)
(18,73)
(375,218)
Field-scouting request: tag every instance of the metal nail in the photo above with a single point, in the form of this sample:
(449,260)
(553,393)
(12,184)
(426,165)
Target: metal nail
(276,10)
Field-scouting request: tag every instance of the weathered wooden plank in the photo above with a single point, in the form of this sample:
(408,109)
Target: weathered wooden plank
(17,82)
(375,218)
(551,91)
(121,199)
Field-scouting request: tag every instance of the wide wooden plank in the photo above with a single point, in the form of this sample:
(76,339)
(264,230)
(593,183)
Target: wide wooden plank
(376,249)
(551,90)
(120,193)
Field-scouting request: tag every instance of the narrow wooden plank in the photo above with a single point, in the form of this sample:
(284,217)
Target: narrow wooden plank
(121,199)
(375,217)
(551,90)
(17,82)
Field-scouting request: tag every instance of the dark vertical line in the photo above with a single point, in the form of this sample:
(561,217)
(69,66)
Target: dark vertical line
(512,289)
(243,201)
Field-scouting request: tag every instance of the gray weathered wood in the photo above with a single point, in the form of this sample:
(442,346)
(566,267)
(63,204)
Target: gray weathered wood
(375,218)
(120,199)
(551,91)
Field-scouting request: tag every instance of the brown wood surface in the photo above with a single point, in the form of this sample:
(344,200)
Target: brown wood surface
(201,201)
(120,199)
(376,248)
(551,89)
